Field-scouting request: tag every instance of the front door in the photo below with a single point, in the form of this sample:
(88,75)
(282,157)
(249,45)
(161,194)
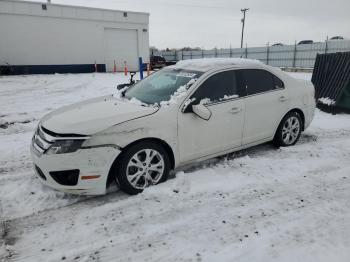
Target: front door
(200,138)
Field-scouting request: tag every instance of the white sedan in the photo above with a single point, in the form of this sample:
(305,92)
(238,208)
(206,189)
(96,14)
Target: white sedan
(189,112)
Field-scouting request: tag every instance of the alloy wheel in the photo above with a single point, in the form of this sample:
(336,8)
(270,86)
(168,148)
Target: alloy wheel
(146,167)
(290,130)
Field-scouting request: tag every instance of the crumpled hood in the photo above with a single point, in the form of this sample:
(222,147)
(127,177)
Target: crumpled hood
(94,115)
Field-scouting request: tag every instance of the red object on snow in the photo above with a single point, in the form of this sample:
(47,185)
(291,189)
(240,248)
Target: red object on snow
(115,67)
(125,69)
(148,69)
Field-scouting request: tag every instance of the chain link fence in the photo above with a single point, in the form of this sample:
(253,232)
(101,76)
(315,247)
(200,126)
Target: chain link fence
(289,56)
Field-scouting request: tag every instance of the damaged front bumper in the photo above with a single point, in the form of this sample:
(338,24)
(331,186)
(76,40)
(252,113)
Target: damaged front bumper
(83,172)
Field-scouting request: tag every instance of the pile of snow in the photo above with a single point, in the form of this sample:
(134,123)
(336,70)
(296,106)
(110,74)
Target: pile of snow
(226,97)
(180,92)
(212,62)
(326,101)
(300,75)
(119,94)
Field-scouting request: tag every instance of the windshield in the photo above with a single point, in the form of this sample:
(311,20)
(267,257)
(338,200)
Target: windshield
(160,86)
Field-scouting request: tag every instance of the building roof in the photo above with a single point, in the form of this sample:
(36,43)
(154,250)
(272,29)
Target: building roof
(44,9)
(78,6)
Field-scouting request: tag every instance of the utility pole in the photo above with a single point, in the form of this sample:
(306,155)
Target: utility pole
(243,22)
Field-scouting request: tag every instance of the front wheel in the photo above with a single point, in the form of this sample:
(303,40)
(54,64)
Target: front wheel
(142,165)
(289,130)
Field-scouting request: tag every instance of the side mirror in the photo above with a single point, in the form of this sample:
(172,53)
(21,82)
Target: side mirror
(201,111)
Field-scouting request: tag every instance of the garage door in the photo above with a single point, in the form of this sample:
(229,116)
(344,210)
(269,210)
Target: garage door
(120,46)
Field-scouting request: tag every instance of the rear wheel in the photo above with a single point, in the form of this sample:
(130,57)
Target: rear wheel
(142,165)
(289,130)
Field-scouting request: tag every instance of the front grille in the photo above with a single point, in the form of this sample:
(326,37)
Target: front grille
(66,177)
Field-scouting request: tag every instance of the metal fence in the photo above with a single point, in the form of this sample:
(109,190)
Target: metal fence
(296,56)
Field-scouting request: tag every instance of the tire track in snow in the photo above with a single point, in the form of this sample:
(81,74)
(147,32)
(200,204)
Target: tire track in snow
(280,205)
(6,251)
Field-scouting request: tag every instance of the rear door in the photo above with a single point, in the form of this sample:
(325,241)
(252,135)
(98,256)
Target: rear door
(266,103)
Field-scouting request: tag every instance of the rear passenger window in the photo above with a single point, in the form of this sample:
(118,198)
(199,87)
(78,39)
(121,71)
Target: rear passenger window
(258,81)
(218,87)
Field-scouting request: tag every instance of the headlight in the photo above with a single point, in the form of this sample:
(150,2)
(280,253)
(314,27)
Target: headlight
(64,146)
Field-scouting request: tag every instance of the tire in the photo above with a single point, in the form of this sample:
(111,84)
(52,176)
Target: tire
(289,130)
(141,165)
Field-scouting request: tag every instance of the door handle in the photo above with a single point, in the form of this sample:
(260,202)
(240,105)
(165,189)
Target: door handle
(235,110)
(283,98)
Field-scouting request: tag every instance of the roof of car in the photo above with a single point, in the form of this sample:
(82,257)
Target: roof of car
(206,64)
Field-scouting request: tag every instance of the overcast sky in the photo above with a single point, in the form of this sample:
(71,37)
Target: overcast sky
(209,24)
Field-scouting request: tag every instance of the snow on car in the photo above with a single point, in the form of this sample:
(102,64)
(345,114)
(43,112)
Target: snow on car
(217,106)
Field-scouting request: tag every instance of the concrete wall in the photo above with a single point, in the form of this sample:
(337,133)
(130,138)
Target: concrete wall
(64,35)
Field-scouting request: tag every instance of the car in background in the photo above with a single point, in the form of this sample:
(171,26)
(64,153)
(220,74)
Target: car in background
(192,111)
(336,38)
(157,62)
(277,44)
(305,42)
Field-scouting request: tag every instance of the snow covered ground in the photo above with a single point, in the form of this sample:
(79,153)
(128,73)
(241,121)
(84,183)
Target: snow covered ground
(261,204)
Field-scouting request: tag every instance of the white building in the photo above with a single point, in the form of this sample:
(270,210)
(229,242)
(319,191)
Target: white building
(48,38)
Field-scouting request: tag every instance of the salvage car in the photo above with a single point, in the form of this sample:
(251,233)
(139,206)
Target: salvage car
(306,42)
(157,62)
(185,113)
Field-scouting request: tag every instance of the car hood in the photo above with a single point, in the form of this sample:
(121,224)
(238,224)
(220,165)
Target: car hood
(94,115)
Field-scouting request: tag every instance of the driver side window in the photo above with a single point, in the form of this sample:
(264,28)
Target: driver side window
(218,87)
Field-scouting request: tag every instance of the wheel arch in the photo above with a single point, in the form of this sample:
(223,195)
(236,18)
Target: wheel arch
(302,115)
(297,110)
(159,141)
